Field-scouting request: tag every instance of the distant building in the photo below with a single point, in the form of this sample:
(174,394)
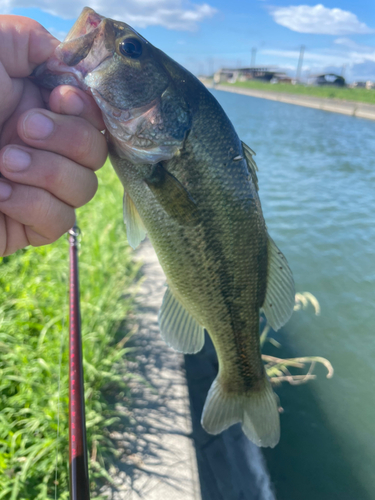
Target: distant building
(363,85)
(327,79)
(282,78)
(253,73)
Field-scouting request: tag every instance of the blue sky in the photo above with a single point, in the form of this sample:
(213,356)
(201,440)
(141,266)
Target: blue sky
(337,35)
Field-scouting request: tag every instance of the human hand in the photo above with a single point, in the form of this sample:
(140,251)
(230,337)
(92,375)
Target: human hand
(47,156)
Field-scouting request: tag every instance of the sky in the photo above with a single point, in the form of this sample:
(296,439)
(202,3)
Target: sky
(338,36)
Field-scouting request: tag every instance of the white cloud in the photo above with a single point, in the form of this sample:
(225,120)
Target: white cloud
(351,44)
(319,20)
(321,60)
(172,14)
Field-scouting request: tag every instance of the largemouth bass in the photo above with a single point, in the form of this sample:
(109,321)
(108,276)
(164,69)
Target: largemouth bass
(191,185)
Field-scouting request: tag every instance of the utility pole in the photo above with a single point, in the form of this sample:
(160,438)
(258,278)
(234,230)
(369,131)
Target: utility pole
(300,61)
(253,56)
(211,66)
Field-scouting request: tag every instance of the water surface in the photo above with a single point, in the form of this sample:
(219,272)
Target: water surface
(317,188)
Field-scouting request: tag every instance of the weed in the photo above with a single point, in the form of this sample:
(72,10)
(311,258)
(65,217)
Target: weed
(33,322)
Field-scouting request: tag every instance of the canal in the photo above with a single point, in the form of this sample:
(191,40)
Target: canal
(317,188)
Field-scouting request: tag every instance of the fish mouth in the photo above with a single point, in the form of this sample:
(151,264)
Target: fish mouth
(90,42)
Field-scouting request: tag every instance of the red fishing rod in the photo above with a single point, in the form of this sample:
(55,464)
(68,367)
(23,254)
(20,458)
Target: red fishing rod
(78,467)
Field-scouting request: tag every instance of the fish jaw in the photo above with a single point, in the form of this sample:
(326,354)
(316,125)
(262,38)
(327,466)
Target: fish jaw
(89,43)
(87,22)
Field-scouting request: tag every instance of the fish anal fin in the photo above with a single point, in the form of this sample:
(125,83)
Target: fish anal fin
(252,166)
(257,411)
(280,294)
(172,196)
(135,230)
(178,328)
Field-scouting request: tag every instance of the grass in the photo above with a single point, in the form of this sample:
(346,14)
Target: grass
(356,94)
(33,322)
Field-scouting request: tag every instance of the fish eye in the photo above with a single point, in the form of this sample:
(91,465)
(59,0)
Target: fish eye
(131,47)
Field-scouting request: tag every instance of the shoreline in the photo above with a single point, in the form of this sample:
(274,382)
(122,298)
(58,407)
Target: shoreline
(350,108)
(159,459)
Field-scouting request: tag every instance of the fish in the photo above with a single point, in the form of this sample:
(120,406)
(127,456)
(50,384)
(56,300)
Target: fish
(191,185)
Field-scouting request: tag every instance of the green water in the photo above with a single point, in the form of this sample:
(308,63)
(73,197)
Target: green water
(317,187)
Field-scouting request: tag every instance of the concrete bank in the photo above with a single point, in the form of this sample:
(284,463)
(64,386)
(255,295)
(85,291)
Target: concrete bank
(352,108)
(159,462)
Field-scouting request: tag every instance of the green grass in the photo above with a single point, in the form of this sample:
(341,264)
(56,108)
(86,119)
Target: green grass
(359,95)
(33,320)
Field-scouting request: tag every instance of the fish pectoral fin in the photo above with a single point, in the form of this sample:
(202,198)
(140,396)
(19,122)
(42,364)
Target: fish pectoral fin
(178,327)
(280,295)
(172,196)
(256,410)
(251,165)
(135,230)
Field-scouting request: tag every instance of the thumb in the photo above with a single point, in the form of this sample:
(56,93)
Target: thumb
(24,44)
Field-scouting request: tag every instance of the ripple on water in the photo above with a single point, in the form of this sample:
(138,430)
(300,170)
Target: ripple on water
(317,187)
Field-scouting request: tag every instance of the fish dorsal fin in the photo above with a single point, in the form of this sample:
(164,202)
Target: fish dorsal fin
(252,166)
(172,196)
(178,327)
(135,230)
(280,295)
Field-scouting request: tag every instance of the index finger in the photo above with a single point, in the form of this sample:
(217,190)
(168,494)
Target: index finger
(68,100)
(24,44)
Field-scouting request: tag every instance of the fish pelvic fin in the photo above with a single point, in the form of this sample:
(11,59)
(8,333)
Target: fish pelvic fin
(257,411)
(178,327)
(135,230)
(280,295)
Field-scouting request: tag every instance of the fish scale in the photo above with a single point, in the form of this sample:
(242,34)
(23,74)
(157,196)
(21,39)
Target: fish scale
(191,185)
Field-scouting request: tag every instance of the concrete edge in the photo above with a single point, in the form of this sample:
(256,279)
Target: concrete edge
(350,108)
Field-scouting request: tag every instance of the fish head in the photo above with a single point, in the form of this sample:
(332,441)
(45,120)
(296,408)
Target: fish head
(131,81)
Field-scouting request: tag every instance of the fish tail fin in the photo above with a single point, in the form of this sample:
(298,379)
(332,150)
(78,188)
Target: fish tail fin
(256,410)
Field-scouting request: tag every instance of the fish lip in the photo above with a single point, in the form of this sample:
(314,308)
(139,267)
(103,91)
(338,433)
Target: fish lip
(78,72)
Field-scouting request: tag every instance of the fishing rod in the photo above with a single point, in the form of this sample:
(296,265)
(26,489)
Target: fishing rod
(78,467)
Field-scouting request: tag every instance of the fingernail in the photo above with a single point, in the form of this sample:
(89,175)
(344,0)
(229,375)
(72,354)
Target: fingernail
(72,104)
(16,160)
(5,191)
(37,126)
